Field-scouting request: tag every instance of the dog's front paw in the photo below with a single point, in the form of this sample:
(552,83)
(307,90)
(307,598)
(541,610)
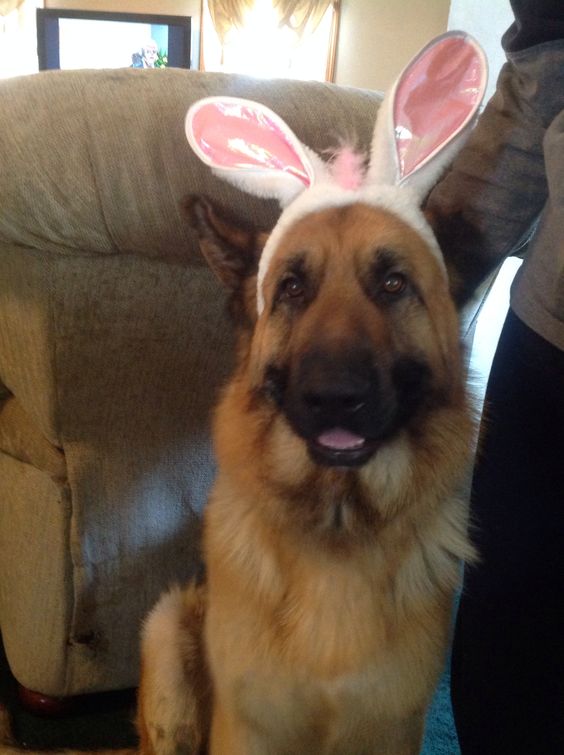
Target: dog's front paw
(174,694)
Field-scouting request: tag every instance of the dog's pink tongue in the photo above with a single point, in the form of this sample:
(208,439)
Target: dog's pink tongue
(340,440)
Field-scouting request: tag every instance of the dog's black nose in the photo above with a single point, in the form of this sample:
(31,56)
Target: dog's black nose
(336,387)
(343,397)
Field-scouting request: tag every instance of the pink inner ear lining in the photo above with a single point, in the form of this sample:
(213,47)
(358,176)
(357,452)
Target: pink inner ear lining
(434,100)
(238,136)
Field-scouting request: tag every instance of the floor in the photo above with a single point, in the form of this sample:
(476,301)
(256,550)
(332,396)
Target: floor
(95,722)
(488,327)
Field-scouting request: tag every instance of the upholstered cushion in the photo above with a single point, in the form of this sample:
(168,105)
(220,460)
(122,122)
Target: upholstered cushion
(21,439)
(114,345)
(99,160)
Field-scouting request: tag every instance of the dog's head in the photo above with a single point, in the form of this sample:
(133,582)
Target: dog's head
(347,328)
(357,336)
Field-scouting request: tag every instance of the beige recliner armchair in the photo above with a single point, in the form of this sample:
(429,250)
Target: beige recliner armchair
(113,343)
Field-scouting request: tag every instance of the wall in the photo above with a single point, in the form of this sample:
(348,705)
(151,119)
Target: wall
(166,7)
(486,20)
(378,37)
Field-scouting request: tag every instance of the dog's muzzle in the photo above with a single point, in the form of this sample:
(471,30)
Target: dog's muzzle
(336,403)
(345,405)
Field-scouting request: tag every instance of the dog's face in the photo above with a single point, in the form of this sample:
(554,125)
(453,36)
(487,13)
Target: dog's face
(358,338)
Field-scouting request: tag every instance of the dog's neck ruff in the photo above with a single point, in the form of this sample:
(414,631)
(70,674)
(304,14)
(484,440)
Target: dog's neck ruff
(326,195)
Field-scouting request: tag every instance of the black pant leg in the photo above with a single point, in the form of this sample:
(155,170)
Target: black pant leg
(508,654)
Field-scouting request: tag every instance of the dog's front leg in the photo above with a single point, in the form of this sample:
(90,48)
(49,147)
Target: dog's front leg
(228,735)
(271,716)
(234,736)
(174,693)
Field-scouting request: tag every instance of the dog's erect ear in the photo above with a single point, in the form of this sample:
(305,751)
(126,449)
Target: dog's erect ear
(232,252)
(428,112)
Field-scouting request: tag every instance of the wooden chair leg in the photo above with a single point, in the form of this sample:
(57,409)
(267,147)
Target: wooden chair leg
(44,705)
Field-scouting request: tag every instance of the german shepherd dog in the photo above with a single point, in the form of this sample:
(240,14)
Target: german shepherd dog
(331,554)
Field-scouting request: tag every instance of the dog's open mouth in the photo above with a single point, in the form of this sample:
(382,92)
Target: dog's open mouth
(341,447)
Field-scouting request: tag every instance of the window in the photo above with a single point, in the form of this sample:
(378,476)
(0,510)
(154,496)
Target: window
(18,38)
(270,38)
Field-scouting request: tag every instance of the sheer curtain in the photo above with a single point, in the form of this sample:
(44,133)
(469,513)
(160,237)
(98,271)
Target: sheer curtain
(228,14)
(302,16)
(18,37)
(294,38)
(7,6)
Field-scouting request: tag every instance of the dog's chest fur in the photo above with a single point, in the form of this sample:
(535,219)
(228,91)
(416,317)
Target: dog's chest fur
(320,636)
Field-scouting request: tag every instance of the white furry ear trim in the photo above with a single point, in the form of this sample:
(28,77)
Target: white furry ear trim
(250,146)
(428,112)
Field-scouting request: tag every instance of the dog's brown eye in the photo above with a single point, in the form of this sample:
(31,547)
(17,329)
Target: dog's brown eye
(291,287)
(394,283)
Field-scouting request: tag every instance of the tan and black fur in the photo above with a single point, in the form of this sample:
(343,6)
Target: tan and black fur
(323,623)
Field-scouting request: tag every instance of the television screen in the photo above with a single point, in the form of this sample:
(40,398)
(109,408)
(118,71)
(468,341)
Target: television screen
(84,39)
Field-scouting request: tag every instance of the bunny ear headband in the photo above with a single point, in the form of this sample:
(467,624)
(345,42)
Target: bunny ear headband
(421,124)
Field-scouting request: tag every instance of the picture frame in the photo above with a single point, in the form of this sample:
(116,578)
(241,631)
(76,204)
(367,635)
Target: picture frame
(91,39)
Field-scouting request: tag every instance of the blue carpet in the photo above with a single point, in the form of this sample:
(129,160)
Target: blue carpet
(440,734)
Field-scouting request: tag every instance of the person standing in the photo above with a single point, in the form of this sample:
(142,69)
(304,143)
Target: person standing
(505,192)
